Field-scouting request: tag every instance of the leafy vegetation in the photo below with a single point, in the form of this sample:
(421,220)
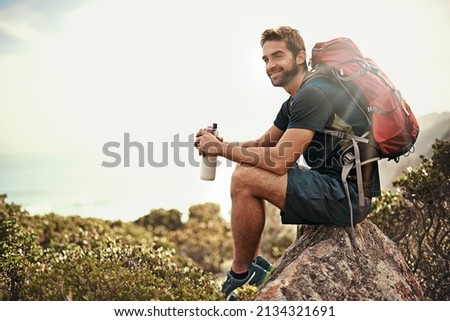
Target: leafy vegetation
(157,257)
(417,218)
(205,237)
(52,257)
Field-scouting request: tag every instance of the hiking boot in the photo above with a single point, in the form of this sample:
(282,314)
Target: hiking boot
(256,276)
(266,265)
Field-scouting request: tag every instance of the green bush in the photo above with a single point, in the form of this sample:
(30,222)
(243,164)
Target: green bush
(51,257)
(205,238)
(161,221)
(116,272)
(417,218)
(18,252)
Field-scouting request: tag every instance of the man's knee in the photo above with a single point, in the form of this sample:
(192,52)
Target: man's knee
(240,179)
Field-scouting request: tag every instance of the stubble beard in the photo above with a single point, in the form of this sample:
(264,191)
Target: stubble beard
(287,76)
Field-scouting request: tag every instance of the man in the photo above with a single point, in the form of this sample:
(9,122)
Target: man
(267,167)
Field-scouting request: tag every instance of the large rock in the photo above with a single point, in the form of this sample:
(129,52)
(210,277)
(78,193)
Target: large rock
(331,263)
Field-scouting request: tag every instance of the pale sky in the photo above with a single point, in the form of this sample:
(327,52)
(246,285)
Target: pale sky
(77,74)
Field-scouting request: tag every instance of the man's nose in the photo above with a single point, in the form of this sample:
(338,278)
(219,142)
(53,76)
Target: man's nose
(270,64)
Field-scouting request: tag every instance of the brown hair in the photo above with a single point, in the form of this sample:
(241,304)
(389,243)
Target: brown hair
(291,36)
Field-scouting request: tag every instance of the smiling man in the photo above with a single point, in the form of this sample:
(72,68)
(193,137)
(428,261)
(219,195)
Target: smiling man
(267,167)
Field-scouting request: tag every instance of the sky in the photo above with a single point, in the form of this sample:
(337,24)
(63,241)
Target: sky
(76,75)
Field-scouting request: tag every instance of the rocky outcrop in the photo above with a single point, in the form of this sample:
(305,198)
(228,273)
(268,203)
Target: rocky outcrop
(331,263)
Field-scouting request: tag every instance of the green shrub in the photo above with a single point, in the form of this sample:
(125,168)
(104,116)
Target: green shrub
(417,218)
(50,257)
(18,251)
(161,221)
(117,272)
(205,238)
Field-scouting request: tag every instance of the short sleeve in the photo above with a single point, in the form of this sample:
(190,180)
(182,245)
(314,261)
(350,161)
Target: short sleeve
(282,119)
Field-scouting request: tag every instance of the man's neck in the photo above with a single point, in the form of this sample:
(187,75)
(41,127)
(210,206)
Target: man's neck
(294,85)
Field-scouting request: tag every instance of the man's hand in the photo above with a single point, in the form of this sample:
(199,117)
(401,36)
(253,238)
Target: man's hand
(208,144)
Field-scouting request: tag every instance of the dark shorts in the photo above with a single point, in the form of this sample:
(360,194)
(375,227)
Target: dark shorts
(315,198)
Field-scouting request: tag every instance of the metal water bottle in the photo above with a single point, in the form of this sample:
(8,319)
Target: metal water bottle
(209,163)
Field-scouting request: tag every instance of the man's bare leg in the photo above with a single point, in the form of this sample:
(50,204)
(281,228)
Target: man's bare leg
(249,187)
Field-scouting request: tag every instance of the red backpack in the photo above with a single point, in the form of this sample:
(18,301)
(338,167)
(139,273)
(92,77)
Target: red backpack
(393,128)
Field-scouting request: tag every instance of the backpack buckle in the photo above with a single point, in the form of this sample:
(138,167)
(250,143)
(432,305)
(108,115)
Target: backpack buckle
(349,158)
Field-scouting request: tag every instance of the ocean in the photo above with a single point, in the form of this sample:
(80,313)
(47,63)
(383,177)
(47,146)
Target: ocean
(69,185)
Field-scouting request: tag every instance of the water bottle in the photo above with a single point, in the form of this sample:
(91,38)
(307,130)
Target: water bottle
(209,163)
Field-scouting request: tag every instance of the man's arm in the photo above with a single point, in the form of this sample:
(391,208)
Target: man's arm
(276,158)
(268,139)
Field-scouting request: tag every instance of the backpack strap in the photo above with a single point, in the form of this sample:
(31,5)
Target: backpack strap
(353,160)
(365,67)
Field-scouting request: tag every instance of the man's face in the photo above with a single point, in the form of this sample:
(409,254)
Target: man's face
(281,66)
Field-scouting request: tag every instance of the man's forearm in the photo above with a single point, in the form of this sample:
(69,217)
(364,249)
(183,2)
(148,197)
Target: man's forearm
(249,143)
(251,153)
(276,157)
(257,143)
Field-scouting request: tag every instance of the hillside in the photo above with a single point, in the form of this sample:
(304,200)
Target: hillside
(432,126)
(160,257)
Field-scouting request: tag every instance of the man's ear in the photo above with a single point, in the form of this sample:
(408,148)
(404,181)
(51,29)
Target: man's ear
(301,57)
